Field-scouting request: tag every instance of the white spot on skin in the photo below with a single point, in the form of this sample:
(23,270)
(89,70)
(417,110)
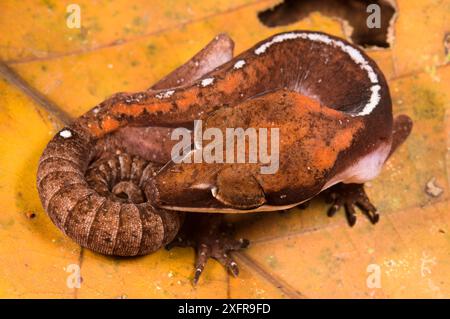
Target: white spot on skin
(207,81)
(352,52)
(202,186)
(239,64)
(165,95)
(65,134)
(214,191)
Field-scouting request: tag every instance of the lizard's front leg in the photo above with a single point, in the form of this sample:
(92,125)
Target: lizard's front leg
(211,237)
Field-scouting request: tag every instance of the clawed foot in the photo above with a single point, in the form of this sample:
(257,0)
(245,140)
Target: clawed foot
(211,238)
(349,196)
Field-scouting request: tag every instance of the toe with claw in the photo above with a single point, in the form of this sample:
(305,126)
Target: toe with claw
(349,196)
(210,238)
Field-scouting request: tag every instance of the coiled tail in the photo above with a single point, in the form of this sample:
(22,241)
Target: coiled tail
(102,204)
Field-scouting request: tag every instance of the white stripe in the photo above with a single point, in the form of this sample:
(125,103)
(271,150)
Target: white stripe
(352,52)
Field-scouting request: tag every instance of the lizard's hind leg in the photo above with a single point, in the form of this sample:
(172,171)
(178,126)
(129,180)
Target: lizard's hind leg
(351,195)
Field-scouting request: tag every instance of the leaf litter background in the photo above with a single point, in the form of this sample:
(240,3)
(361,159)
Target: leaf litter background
(300,253)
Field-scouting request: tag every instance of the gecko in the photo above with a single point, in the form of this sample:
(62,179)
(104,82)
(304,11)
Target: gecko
(109,182)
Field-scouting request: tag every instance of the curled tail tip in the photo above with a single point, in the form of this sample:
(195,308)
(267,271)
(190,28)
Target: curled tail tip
(403,123)
(402,128)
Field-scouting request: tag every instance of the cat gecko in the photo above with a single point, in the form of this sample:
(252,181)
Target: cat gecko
(109,181)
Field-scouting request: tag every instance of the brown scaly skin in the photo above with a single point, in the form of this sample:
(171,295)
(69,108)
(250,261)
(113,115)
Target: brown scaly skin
(107,180)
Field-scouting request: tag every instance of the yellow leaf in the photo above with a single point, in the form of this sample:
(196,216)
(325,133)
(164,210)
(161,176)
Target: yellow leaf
(127,47)
(34,253)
